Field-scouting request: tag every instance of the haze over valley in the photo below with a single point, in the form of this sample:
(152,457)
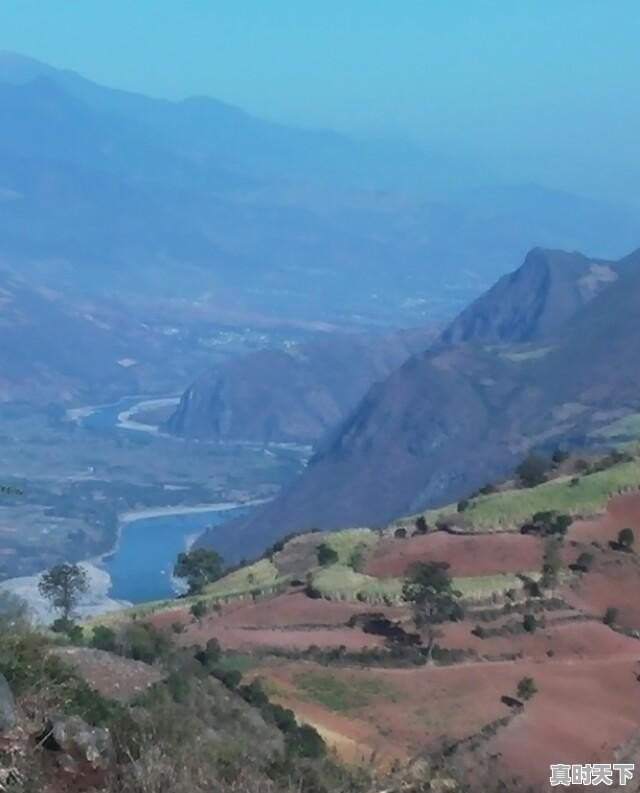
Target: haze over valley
(319,398)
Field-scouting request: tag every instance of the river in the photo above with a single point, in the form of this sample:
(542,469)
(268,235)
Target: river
(140,568)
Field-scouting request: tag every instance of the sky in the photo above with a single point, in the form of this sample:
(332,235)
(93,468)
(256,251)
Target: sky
(545,89)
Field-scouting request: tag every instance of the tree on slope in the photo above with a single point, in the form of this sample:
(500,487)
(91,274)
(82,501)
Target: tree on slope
(199,568)
(429,589)
(63,586)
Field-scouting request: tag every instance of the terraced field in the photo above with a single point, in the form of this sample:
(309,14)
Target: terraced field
(509,509)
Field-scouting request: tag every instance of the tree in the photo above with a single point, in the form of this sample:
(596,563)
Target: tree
(198,610)
(526,688)
(551,563)
(583,562)
(199,568)
(400,533)
(626,539)
(610,616)
(104,638)
(62,586)
(559,456)
(422,527)
(326,555)
(463,504)
(529,623)
(532,470)
(429,589)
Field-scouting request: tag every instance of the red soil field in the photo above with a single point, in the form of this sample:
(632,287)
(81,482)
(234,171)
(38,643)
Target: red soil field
(288,620)
(254,638)
(467,555)
(295,608)
(582,713)
(571,640)
(622,511)
(584,708)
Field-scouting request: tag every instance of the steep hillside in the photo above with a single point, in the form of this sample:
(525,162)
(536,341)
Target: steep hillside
(294,394)
(533,301)
(452,419)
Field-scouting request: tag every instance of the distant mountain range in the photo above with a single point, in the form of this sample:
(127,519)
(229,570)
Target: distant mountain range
(293,394)
(107,191)
(470,408)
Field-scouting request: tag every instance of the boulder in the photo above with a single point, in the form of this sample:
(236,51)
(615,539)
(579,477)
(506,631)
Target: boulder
(81,744)
(7,706)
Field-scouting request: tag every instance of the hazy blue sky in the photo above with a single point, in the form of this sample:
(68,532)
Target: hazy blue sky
(549,89)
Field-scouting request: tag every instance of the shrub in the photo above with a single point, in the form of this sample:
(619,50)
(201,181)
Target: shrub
(69,628)
(532,471)
(583,562)
(626,539)
(422,527)
(198,610)
(143,642)
(463,504)
(400,533)
(104,638)
(526,688)
(529,623)
(559,456)
(610,616)
(327,555)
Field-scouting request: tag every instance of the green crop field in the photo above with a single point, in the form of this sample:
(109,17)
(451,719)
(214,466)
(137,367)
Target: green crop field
(340,582)
(258,577)
(346,542)
(340,695)
(510,508)
(484,586)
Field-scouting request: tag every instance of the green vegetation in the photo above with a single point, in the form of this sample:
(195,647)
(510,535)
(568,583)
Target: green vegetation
(529,623)
(342,695)
(262,576)
(532,471)
(610,616)
(626,539)
(62,586)
(526,688)
(430,591)
(326,555)
(485,586)
(341,582)
(198,568)
(346,542)
(511,508)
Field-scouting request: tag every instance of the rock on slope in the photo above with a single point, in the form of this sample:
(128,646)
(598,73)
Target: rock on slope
(460,415)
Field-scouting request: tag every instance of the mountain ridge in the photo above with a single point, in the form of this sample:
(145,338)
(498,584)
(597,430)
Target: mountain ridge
(421,438)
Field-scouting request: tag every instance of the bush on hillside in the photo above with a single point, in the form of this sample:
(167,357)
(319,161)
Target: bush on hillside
(532,471)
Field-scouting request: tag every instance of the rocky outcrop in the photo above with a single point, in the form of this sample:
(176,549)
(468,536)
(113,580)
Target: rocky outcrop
(81,748)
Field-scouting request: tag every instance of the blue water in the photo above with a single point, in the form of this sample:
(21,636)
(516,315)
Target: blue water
(141,567)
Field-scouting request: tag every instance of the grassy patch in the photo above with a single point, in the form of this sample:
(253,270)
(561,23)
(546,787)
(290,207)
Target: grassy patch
(346,542)
(340,582)
(259,577)
(511,508)
(340,695)
(484,586)
(238,662)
